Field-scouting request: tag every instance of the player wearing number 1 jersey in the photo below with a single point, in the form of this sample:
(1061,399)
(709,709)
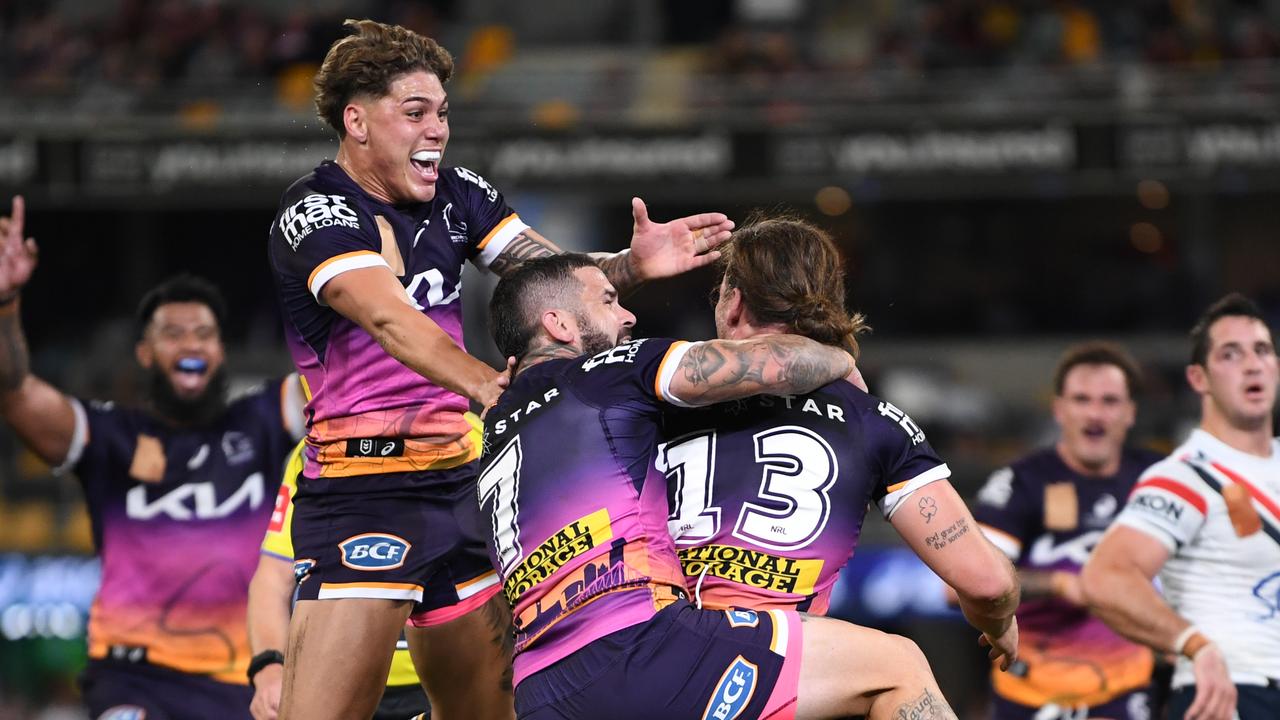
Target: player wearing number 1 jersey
(578,512)
(768,494)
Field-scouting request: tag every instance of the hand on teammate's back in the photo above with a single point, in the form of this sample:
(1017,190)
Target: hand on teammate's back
(493,389)
(1215,697)
(17,256)
(855,379)
(1004,646)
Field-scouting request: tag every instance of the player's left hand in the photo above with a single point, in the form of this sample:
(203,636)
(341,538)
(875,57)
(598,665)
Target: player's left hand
(1215,697)
(661,250)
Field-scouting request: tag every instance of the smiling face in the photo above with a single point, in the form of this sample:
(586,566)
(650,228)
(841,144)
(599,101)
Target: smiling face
(183,344)
(395,143)
(1095,413)
(1239,378)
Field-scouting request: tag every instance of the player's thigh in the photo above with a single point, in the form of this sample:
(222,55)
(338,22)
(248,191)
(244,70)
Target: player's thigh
(339,655)
(846,666)
(466,657)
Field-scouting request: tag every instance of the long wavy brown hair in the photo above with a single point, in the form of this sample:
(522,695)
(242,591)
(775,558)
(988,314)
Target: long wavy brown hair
(790,271)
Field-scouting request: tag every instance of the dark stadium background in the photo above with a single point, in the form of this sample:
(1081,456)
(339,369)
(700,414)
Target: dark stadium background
(1005,178)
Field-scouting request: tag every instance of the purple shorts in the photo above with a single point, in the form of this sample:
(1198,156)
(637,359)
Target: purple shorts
(683,663)
(1134,705)
(138,691)
(408,536)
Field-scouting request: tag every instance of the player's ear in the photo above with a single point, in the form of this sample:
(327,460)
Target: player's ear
(353,119)
(145,355)
(734,308)
(1197,378)
(560,325)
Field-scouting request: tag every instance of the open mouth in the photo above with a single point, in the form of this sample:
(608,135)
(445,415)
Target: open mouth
(189,373)
(1255,391)
(1094,432)
(427,163)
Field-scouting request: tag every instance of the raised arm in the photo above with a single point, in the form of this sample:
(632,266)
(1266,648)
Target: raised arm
(719,370)
(960,554)
(657,250)
(373,299)
(41,415)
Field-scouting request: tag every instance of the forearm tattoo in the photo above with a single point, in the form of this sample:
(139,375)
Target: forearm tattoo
(522,247)
(15,361)
(778,364)
(618,268)
(945,537)
(926,707)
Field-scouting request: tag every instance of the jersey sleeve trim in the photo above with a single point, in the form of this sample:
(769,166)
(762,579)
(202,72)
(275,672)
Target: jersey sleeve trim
(293,406)
(338,264)
(499,238)
(275,555)
(667,372)
(898,492)
(1155,532)
(1008,544)
(1170,485)
(79,439)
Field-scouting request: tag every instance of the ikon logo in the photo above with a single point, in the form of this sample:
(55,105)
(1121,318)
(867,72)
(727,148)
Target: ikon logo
(373,551)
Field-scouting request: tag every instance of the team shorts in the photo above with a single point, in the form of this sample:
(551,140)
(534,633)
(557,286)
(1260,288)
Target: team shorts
(138,691)
(683,663)
(1253,702)
(1134,705)
(405,536)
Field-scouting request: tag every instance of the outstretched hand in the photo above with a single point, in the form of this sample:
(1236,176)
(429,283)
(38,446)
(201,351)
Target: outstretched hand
(17,256)
(661,250)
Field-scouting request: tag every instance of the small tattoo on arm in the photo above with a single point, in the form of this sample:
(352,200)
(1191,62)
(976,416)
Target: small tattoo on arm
(522,247)
(926,707)
(928,508)
(945,537)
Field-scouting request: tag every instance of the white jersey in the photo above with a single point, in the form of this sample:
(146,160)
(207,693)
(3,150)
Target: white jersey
(1217,510)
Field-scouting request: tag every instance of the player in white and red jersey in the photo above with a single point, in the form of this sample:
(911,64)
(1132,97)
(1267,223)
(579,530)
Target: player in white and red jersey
(1207,519)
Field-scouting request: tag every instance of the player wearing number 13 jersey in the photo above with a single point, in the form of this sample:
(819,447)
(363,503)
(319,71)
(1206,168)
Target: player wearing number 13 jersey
(578,512)
(768,494)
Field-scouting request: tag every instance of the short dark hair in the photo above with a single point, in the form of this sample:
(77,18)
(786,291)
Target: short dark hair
(521,297)
(1098,352)
(1231,305)
(366,62)
(181,288)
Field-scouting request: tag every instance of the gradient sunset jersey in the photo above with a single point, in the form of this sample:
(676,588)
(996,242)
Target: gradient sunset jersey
(1046,517)
(328,225)
(177,517)
(768,494)
(579,513)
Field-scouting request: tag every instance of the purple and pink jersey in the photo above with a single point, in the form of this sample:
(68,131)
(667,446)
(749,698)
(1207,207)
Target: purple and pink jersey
(578,510)
(177,517)
(367,412)
(768,494)
(1047,517)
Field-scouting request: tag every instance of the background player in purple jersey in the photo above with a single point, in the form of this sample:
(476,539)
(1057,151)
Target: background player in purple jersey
(367,253)
(179,495)
(769,494)
(1047,511)
(578,512)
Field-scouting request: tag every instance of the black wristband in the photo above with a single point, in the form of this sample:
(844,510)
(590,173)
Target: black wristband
(261,660)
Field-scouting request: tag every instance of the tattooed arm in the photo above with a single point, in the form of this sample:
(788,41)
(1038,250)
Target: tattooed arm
(39,414)
(719,370)
(657,250)
(955,549)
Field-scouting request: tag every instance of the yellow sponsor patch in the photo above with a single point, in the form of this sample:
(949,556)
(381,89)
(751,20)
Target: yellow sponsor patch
(576,538)
(752,567)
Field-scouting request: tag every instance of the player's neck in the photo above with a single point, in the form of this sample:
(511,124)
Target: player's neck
(1251,440)
(1111,467)
(548,351)
(366,180)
